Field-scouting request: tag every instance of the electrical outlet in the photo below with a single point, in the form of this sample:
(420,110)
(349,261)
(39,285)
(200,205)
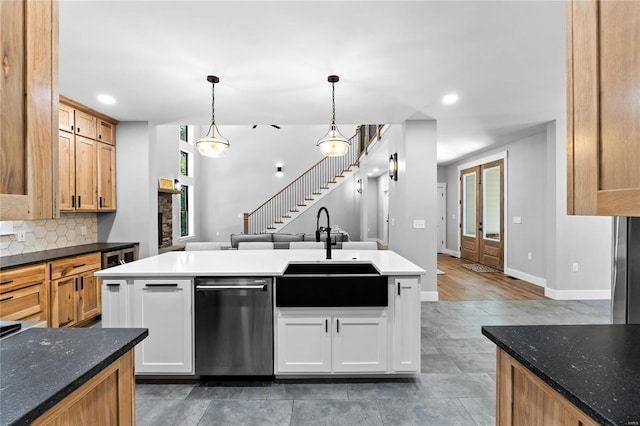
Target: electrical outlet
(517,219)
(419,224)
(393,221)
(530,256)
(21,235)
(83,230)
(574,267)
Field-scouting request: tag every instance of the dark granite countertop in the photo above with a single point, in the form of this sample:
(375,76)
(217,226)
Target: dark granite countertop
(595,367)
(47,255)
(41,366)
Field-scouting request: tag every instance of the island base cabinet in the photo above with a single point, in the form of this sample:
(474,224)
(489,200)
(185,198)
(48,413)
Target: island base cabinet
(304,344)
(405,349)
(524,399)
(335,342)
(107,399)
(164,307)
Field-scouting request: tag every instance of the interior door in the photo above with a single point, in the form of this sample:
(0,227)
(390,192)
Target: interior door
(442,218)
(470,212)
(482,214)
(491,230)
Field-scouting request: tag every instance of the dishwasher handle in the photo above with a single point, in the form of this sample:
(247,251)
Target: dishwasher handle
(262,287)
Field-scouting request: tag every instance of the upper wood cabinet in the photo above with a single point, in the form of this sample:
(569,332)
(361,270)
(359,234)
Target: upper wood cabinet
(28,101)
(87,164)
(603,107)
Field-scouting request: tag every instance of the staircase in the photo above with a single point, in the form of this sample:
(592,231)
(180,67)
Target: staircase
(304,191)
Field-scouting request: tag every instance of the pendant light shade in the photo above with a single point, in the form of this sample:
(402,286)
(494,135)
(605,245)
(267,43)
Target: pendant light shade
(333,144)
(215,145)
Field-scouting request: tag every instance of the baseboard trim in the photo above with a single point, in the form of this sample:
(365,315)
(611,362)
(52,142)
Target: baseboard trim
(577,294)
(527,277)
(429,296)
(452,253)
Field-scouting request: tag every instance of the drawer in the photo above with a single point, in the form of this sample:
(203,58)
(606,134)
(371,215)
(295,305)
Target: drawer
(28,303)
(75,265)
(15,278)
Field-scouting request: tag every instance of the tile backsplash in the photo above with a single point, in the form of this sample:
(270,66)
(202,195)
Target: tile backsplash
(51,233)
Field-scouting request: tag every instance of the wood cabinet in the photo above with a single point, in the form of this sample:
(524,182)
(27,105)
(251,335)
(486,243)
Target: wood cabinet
(164,307)
(108,398)
(405,294)
(331,342)
(28,100)
(87,159)
(524,399)
(106,176)
(23,294)
(603,130)
(75,291)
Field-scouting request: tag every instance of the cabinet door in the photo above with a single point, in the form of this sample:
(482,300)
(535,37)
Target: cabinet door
(115,302)
(65,118)
(66,171)
(360,344)
(28,30)
(86,186)
(106,165)
(64,301)
(85,124)
(304,344)
(406,325)
(89,296)
(164,307)
(106,132)
(603,130)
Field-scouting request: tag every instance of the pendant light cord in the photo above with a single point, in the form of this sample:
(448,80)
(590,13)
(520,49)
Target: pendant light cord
(213,110)
(333,102)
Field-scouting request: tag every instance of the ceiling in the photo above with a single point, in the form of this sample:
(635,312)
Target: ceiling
(396,60)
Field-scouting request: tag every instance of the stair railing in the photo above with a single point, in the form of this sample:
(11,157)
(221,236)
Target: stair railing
(302,189)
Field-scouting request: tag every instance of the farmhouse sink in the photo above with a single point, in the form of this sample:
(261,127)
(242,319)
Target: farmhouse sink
(330,268)
(331,285)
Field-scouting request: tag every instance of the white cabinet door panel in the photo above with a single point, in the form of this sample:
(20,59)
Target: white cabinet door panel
(304,344)
(115,303)
(360,344)
(164,307)
(406,325)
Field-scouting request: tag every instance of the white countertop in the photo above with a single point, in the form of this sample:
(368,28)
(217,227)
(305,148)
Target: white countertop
(254,263)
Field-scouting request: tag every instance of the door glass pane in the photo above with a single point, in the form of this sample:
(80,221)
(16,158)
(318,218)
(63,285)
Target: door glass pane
(491,203)
(469,205)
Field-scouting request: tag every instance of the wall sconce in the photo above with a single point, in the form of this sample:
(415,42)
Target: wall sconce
(176,184)
(393,166)
(359,186)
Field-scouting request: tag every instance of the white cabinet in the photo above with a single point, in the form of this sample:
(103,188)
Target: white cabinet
(360,344)
(115,303)
(331,341)
(304,344)
(164,307)
(404,298)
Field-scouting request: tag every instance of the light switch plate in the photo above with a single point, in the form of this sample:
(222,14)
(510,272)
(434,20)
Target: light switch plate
(418,224)
(517,219)
(21,235)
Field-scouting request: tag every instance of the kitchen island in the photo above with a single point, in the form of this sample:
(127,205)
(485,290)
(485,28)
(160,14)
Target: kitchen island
(372,339)
(68,376)
(567,374)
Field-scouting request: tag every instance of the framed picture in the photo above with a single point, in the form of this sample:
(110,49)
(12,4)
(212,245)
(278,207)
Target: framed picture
(165,183)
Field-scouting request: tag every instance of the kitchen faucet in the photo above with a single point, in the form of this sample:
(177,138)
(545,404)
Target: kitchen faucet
(328,229)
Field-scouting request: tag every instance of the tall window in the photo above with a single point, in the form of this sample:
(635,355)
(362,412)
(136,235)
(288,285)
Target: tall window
(187,181)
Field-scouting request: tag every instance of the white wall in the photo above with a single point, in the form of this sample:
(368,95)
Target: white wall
(383,185)
(413,196)
(373,209)
(239,183)
(137,209)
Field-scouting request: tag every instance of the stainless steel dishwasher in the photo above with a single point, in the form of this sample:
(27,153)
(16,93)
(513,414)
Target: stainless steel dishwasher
(234,326)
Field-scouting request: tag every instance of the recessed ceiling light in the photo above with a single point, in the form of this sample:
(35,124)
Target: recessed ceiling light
(451,98)
(106,99)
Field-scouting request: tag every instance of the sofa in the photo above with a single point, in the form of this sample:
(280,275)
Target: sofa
(282,240)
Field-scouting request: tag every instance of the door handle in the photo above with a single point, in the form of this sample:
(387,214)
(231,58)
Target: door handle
(326,325)
(6,282)
(73,201)
(76,280)
(337,326)
(162,285)
(81,283)
(398,288)
(6,298)
(113,285)
(79,202)
(100,201)
(231,287)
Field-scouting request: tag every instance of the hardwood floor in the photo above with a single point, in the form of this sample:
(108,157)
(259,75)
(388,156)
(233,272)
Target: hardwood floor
(459,283)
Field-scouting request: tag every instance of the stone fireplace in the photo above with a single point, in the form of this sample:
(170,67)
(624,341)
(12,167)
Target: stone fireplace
(165,219)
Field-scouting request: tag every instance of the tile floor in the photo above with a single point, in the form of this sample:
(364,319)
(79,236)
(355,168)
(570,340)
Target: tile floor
(456,386)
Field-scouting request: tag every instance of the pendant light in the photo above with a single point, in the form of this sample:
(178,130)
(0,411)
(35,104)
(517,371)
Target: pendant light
(333,144)
(213,146)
